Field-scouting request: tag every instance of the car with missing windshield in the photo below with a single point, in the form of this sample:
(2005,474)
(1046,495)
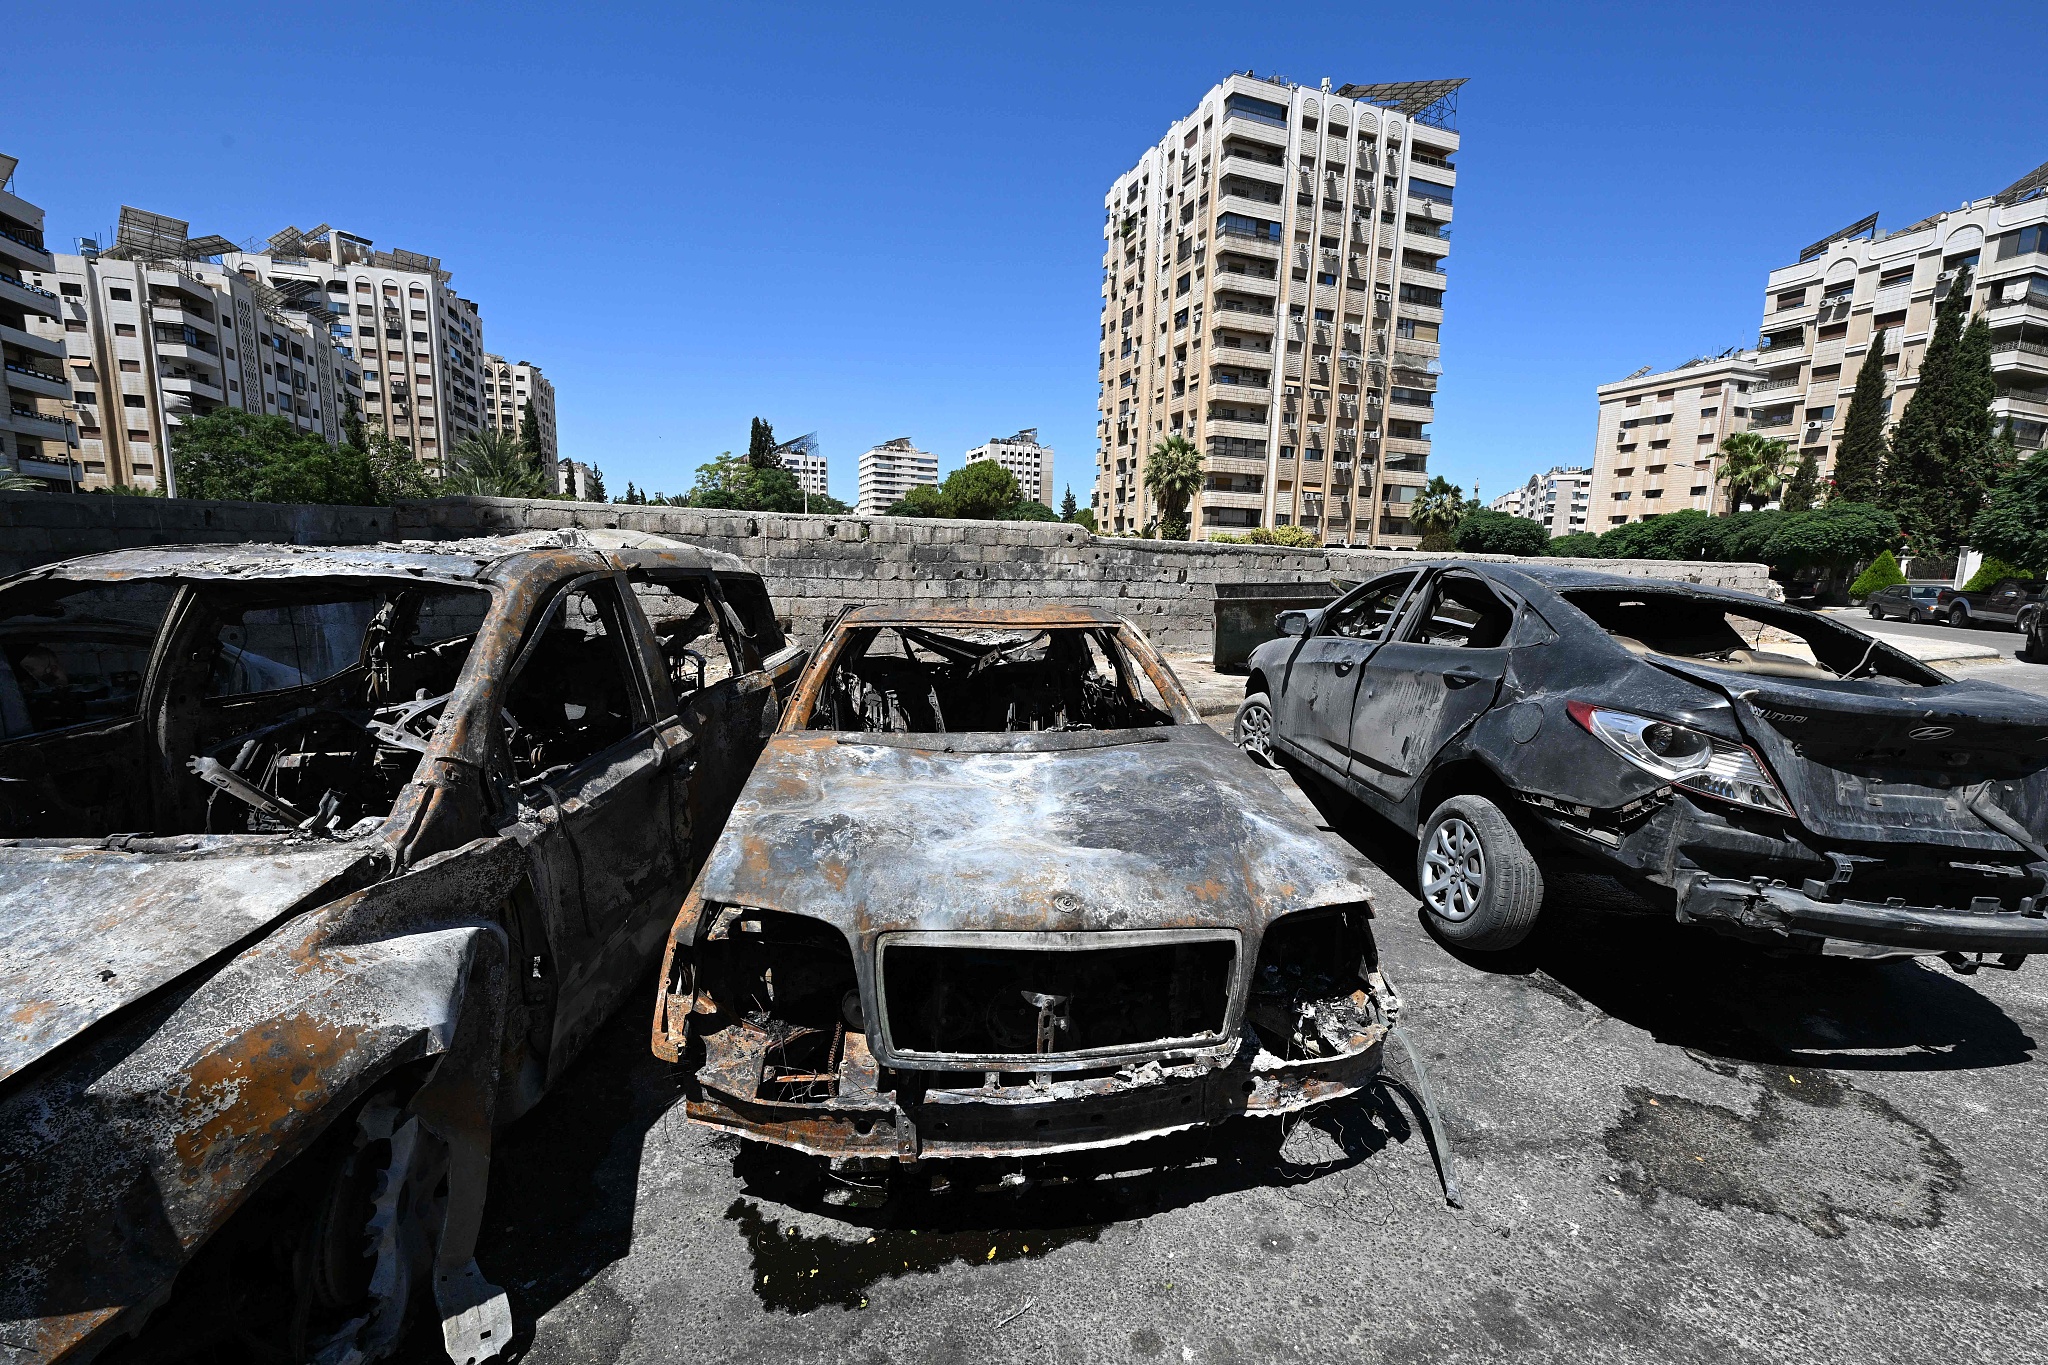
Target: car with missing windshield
(316,865)
(994,891)
(1762,770)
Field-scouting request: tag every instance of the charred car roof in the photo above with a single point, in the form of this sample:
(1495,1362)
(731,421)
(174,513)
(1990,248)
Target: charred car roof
(969,615)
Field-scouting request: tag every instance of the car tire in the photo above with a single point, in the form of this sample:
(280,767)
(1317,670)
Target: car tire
(1252,728)
(1876,612)
(1959,616)
(1916,617)
(1481,887)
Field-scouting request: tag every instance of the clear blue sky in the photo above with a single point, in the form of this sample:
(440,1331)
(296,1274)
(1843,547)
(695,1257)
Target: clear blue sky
(877,222)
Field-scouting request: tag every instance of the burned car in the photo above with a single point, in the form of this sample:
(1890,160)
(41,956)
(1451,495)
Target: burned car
(316,865)
(1762,770)
(994,891)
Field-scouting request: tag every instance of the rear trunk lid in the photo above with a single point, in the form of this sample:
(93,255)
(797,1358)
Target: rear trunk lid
(1884,762)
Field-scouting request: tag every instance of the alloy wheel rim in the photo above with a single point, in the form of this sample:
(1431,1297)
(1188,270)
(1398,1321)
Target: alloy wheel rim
(1255,733)
(1453,870)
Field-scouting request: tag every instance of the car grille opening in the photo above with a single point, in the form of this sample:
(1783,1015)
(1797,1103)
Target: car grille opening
(980,1000)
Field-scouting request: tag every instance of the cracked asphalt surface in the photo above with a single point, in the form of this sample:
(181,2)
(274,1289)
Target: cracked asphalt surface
(1672,1148)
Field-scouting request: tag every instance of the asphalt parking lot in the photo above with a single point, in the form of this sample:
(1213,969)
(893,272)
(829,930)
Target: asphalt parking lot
(1672,1148)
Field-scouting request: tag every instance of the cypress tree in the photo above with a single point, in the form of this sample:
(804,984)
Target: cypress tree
(1802,490)
(1068,507)
(1859,461)
(529,432)
(761,446)
(1943,450)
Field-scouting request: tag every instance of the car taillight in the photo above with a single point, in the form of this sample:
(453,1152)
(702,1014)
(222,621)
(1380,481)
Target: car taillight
(1684,757)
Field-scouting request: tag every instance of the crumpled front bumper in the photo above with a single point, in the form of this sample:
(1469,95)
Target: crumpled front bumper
(1035,1119)
(1761,906)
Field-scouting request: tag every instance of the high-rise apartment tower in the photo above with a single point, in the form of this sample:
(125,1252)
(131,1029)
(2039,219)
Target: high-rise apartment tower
(37,436)
(1273,289)
(1024,457)
(890,470)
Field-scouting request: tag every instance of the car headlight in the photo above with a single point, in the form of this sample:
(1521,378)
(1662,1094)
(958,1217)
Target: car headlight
(1684,757)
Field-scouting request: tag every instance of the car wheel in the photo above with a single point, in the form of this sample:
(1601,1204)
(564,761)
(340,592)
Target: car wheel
(1876,612)
(1916,617)
(1481,887)
(1252,730)
(1959,616)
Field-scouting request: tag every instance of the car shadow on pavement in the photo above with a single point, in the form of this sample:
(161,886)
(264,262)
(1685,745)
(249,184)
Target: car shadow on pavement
(1599,946)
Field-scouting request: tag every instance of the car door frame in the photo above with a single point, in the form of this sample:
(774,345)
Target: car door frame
(1321,676)
(1452,685)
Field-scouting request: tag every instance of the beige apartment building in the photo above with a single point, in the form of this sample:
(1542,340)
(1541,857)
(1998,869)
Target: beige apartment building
(38,438)
(890,470)
(155,333)
(418,343)
(1560,498)
(1657,444)
(1821,312)
(1025,458)
(810,470)
(1273,289)
(510,391)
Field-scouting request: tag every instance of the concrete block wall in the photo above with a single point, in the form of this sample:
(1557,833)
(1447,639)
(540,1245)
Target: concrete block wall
(814,565)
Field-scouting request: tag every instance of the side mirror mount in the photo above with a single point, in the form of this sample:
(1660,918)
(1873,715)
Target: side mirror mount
(1292,622)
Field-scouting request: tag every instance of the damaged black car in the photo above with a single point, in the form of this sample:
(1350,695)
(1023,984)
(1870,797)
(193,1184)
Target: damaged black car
(994,891)
(1762,770)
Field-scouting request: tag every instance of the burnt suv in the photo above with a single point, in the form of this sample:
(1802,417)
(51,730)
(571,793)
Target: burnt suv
(1764,770)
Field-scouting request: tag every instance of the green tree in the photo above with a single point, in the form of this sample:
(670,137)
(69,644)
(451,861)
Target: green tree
(1945,455)
(1085,519)
(1802,490)
(1438,511)
(529,433)
(1485,532)
(632,497)
(1069,508)
(1675,535)
(1860,459)
(1837,536)
(1028,510)
(596,482)
(1994,571)
(761,453)
(1882,573)
(1575,545)
(395,472)
(2014,523)
(1173,475)
(1753,467)
(492,464)
(980,490)
(923,500)
(254,457)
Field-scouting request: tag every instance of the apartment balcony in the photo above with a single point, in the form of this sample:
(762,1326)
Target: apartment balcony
(192,383)
(28,379)
(1771,422)
(1218,498)
(1244,282)
(1242,320)
(1241,354)
(1248,166)
(2019,357)
(1248,243)
(26,421)
(2020,403)
(1228,426)
(1239,124)
(176,315)
(1791,381)
(1428,279)
(1233,464)
(26,296)
(1429,210)
(1410,412)
(1397,446)
(25,251)
(2012,312)
(1251,208)
(29,341)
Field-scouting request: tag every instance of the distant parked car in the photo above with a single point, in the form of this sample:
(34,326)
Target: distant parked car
(1906,601)
(2007,602)
(1769,772)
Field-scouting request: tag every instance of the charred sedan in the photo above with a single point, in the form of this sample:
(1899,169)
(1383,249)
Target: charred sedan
(315,865)
(993,890)
(1764,770)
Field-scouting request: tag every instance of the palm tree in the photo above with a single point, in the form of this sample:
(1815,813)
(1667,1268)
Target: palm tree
(1753,467)
(11,482)
(1173,475)
(495,464)
(1439,509)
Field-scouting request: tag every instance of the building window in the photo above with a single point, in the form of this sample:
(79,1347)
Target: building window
(116,292)
(122,329)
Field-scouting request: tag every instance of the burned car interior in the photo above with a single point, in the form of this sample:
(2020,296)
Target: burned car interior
(907,679)
(1752,640)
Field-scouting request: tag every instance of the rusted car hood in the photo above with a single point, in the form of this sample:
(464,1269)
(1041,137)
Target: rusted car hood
(86,930)
(1130,829)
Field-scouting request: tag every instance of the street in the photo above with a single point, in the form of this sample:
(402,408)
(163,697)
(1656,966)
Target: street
(1672,1147)
(1933,643)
